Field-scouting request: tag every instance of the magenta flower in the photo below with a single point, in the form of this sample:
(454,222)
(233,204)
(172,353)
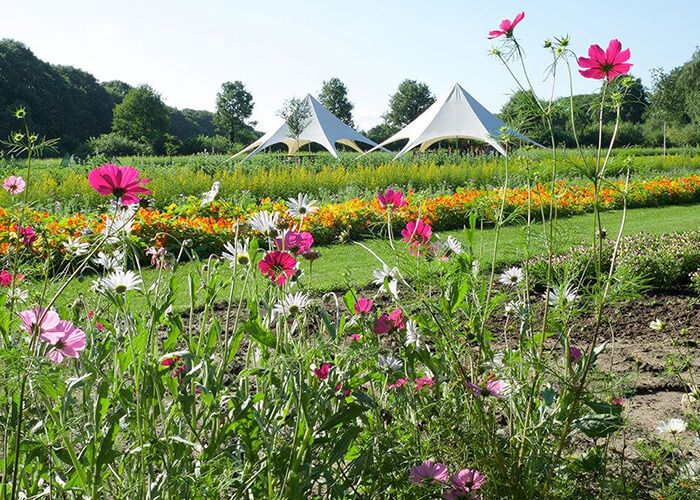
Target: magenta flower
(468,479)
(355,337)
(390,322)
(278,266)
(492,388)
(99,326)
(424,382)
(399,383)
(14,185)
(296,243)
(70,344)
(26,233)
(322,373)
(120,182)
(429,470)
(391,199)
(6,278)
(506,27)
(363,306)
(575,354)
(43,321)
(175,365)
(608,64)
(417,234)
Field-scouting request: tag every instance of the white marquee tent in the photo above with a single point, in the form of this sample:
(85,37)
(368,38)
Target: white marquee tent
(323,128)
(455,115)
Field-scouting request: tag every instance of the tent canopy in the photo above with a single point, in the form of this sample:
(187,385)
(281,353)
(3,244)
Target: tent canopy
(456,115)
(323,128)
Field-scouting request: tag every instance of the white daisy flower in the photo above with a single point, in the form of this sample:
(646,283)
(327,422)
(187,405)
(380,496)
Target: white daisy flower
(121,281)
(236,254)
(16,295)
(657,325)
(452,245)
(389,274)
(75,247)
(557,296)
(120,223)
(210,195)
(292,304)
(111,262)
(511,277)
(301,207)
(413,336)
(672,426)
(389,363)
(264,222)
(514,307)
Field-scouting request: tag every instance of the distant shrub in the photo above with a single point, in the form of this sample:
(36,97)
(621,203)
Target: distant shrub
(117,145)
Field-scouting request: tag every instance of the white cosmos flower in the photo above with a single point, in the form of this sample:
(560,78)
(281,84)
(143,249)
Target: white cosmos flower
(292,304)
(75,247)
(389,274)
(264,222)
(301,207)
(110,262)
(16,295)
(672,426)
(389,362)
(413,336)
(511,277)
(657,325)
(121,281)
(210,195)
(557,296)
(236,254)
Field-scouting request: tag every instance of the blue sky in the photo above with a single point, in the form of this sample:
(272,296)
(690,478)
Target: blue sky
(186,49)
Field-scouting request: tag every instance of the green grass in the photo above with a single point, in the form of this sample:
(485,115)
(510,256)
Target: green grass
(350,265)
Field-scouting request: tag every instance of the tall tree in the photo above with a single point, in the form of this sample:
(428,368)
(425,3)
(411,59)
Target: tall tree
(409,101)
(334,96)
(143,116)
(297,115)
(234,105)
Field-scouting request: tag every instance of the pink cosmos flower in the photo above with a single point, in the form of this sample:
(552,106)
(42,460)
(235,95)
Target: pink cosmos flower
(157,256)
(70,344)
(399,383)
(363,306)
(120,182)
(99,326)
(322,373)
(176,365)
(417,234)
(390,322)
(424,382)
(468,479)
(355,337)
(49,328)
(608,64)
(14,185)
(346,393)
(429,470)
(575,354)
(278,266)
(6,278)
(492,388)
(506,27)
(296,243)
(391,199)
(616,401)
(26,233)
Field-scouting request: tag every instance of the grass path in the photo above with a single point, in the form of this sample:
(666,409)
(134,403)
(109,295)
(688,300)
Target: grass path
(346,265)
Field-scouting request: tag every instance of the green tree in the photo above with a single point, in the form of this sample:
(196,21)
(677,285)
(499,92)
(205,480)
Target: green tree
(143,116)
(234,105)
(409,101)
(334,96)
(297,115)
(117,90)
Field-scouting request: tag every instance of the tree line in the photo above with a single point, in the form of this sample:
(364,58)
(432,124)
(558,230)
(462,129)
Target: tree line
(115,118)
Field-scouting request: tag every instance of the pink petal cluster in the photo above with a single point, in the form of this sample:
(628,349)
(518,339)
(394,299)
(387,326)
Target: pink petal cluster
(605,64)
(322,372)
(278,266)
(363,306)
(158,257)
(417,234)
(575,354)
(399,383)
(296,243)
(506,27)
(6,278)
(429,470)
(391,199)
(391,322)
(464,482)
(492,388)
(175,365)
(66,340)
(121,182)
(26,233)
(424,382)
(14,185)
(355,337)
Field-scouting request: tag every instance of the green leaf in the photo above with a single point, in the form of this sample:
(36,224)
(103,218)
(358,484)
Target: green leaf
(595,425)
(351,412)
(259,334)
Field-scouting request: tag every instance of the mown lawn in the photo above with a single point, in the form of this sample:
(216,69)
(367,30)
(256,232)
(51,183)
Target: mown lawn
(341,266)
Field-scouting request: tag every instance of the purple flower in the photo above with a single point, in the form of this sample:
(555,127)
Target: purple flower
(493,388)
(429,470)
